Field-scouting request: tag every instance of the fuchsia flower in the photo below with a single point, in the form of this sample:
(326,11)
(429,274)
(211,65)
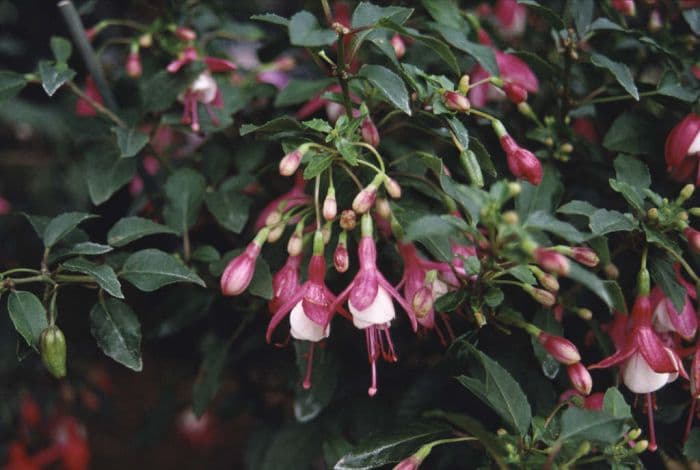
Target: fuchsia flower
(83,107)
(398,44)
(522,163)
(561,349)
(239,272)
(204,88)
(285,283)
(592,402)
(668,319)
(512,18)
(511,70)
(626,7)
(693,238)
(133,65)
(369,299)
(551,261)
(456,101)
(580,378)
(369,132)
(310,307)
(292,198)
(682,150)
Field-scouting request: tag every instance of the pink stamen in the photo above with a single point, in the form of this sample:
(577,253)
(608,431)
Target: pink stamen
(372,354)
(390,354)
(652,433)
(307,380)
(214,120)
(195,114)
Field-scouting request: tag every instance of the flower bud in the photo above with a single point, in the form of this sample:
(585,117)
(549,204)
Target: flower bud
(549,282)
(626,7)
(551,261)
(326,232)
(422,301)
(456,101)
(392,187)
(411,463)
(514,188)
(289,164)
(341,259)
(383,208)
(369,132)
(133,65)
(584,314)
(276,233)
(295,244)
(611,271)
(364,200)
(348,220)
(239,272)
(185,34)
(510,217)
(693,238)
(642,446)
(463,85)
(559,348)
(399,45)
(52,345)
(655,21)
(580,378)
(542,296)
(330,206)
(585,256)
(634,434)
(273,218)
(515,92)
(146,40)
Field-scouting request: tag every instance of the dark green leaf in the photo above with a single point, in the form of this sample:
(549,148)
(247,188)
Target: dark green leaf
(160,90)
(494,297)
(261,284)
(184,192)
(543,197)
(82,248)
(578,208)
(389,85)
(631,133)
(130,141)
(209,376)
(230,208)
(275,126)
(102,273)
(662,273)
(53,76)
(439,47)
(523,274)
(152,269)
(304,30)
(615,405)
(28,316)
(450,301)
(482,54)
(604,221)
(308,403)
(469,198)
(118,332)
(553,18)
(583,15)
(318,163)
(496,387)
(433,232)
(298,91)
(61,48)
(542,220)
(632,171)
(617,297)
(368,14)
(106,173)
(597,426)
(692,17)
(62,225)
(297,445)
(129,229)
(670,86)
(445,12)
(271,18)
(11,83)
(589,280)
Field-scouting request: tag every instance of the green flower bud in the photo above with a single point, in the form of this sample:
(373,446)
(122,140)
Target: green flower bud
(53,351)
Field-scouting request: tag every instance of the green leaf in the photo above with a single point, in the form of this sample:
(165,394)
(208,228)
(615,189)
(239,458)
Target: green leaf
(578,208)
(271,18)
(230,208)
(604,221)
(450,301)
(53,76)
(469,198)
(61,48)
(496,387)
(298,91)
(523,274)
(129,229)
(209,376)
(11,83)
(544,221)
(670,86)
(184,193)
(389,85)
(692,17)
(103,274)
(617,297)
(633,173)
(304,30)
(320,125)
(494,297)
(275,126)
(117,330)
(62,225)
(367,14)
(632,133)
(261,284)
(691,449)
(106,173)
(82,248)
(28,316)
(318,163)
(615,405)
(152,269)
(482,54)
(662,273)
(597,426)
(130,141)
(445,12)
(553,18)
(308,403)
(589,280)
(434,233)
(159,91)
(380,449)
(583,15)
(543,197)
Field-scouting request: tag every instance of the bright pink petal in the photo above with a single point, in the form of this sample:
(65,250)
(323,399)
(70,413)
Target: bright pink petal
(653,350)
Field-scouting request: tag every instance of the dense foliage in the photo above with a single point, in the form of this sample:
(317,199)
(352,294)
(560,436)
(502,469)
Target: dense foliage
(432,230)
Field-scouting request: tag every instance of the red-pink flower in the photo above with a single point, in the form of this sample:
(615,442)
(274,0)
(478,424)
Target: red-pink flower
(133,65)
(398,44)
(285,283)
(693,238)
(668,319)
(292,198)
(551,261)
(369,132)
(580,378)
(239,272)
(561,349)
(456,101)
(626,7)
(522,163)
(682,150)
(512,18)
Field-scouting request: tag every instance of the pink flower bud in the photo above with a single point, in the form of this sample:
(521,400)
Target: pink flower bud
(330,207)
(341,259)
(655,21)
(399,46)
(136,186)
(422,302)
(133,65)
(369,131)
(551,261)
(276,233)
(594,402)
(240,270)
(549,282)
(348,220)
(273,218)
(364,200)
(290,162)
(693,237)
(295,245)
(392,187)
(559,348)
(411,463)
(542,296)
(456,102)
(585,256)
(185,34)
(5,206)
(580,378)
(515,92)
(682,149)
(522,163)
(626,7)
(383,208)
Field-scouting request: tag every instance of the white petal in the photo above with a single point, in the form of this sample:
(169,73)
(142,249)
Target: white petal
(205,87)
(379,312)
(640,378)
(695,146)
(439,288)
(302,327)
(662,323)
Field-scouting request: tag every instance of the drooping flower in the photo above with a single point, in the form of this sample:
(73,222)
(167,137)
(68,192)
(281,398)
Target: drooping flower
(369,297)
(682,150)
(668,319)
(561,349)
(511,17)
(521,162)
(285,283)
(239,272)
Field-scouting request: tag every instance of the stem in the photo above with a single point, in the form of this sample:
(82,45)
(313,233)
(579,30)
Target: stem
(352,176)
(27,280)
(374,152)
(342,73)
(317,186)
(52,306)
(389,115)
(77,31)
(327,11)
(74,278)
(100,109)
(19,270)
(683,263)
(368,164)
(482,114)
(611,99)
(186,247)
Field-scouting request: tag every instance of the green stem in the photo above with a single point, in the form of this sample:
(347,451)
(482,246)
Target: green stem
(374,152)
(19,270)
(368,164)
(98,107)
(27,280)
(482,114)
(683,263)
(342,74)
(74,278)
(612,99)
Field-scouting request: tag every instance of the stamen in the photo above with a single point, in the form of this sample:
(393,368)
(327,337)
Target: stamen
(310,360)
(652,433)
(214,120)
(390,356)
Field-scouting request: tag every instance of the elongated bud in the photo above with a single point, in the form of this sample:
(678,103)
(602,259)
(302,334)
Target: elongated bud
(273,218)
(383,208)
(327,231)
(549,282)
(611,271)
(330,206)
(642,446)
(693,237)
(456,101)
(52,345)
(585,256)
(290,162)
(643,282)
(551,261)
(133,64)
(295,245)
(341,258)
(239,272)
(411,463)
(510,217)
(185,34)
(634,434)
(369,132)
(580,378)
(471,166)
(541,296)
(348,220)
(276,233)
(364,200)
(399,46)
(559,348)
(515,92)
(422,301)
(146,40)
(584,314)
(463,85)
(655,21)
(393,188)
(694,211)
